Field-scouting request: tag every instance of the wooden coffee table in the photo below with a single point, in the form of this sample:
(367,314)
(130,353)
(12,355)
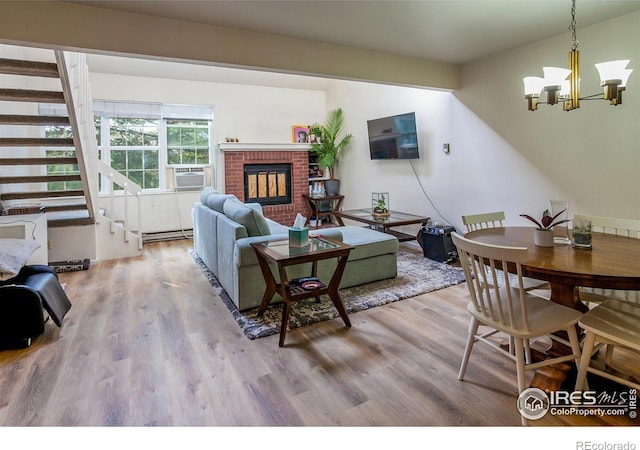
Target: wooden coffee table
(283,255)
(395,219)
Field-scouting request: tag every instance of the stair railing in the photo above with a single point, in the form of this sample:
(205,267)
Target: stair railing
(74,76)
(129,189)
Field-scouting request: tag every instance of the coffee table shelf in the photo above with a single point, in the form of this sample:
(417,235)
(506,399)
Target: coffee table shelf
(284,255)
(384,224)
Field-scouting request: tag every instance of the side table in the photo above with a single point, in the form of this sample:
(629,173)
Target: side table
(283,255)
(313,206)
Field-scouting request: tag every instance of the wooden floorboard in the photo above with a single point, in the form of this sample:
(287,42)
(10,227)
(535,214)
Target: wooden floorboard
(149,343)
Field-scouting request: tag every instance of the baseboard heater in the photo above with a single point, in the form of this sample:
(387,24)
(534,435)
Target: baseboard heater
(167,235)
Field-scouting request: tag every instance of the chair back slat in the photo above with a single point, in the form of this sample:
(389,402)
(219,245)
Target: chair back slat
(498,301)
(485,220)
(621,227)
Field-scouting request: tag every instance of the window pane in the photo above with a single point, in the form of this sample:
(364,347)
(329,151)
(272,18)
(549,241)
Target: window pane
(173,136)
(151,179)
(174,156)
(188,141)
(188,156)
(133,131)
(150,159)
(188,136)
(119,160)
(134,159)
(150,131)
(202,157)
(202,137)
(136,176)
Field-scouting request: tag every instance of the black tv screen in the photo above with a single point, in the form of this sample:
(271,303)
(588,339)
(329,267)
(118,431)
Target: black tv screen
(393,137)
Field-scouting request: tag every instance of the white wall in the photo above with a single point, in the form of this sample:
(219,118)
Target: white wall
(513,159)
(504,157)
(249,113)
(360,176)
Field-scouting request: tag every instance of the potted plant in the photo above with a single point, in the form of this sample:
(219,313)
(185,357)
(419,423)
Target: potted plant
(379,203)
(327,145)
(543,236)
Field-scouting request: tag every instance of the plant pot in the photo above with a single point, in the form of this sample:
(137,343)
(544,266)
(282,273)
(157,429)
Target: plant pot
(332,187)
(543,238)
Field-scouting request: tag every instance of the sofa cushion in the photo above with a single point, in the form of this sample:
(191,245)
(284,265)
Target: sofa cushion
(253,221)
(205,193)
(368,242)
(216,201)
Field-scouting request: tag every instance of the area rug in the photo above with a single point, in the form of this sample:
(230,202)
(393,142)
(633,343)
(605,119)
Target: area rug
(416,275)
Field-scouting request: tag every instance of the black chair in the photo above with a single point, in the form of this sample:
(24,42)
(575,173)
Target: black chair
(23,300)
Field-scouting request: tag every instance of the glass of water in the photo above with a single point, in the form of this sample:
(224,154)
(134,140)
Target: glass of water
(581,233)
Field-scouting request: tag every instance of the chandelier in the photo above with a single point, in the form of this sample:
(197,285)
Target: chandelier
(563,85)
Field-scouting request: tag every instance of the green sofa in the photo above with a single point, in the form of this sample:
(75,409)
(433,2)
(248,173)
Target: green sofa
(224,228)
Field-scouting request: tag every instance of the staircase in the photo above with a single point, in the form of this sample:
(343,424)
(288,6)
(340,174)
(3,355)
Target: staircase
(50,159)
(29,162)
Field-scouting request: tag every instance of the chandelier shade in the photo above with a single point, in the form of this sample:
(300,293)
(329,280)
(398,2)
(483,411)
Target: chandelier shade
(612,71)
(554,76)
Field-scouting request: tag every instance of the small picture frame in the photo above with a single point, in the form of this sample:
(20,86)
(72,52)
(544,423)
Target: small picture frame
(300,134)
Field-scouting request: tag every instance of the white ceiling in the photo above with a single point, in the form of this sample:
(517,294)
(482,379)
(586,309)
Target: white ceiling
(452,31)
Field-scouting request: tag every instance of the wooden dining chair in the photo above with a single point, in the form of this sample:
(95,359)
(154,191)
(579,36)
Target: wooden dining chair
(508,308)
(611,322)
(628,228)
(483,220)
(620,227)
(495,219)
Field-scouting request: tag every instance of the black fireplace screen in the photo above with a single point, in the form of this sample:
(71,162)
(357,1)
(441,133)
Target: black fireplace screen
(267,184)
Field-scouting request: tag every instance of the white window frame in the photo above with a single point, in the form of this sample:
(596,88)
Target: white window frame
(162,112)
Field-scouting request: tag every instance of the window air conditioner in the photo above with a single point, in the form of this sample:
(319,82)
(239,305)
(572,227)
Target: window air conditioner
(188,178)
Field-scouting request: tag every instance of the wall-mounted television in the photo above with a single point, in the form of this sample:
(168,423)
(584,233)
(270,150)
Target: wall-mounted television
(393,137)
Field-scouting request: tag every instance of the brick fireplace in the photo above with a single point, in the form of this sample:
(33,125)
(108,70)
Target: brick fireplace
(238,155)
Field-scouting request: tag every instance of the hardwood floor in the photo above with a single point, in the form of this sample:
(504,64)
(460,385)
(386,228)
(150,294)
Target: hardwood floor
(148,343)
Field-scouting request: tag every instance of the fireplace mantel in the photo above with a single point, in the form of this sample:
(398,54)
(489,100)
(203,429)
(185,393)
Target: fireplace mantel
(265,147)
(239,154)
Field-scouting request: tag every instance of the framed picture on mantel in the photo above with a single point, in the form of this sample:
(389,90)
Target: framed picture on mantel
(300,134)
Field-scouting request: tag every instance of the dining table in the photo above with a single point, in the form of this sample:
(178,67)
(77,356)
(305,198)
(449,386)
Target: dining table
(612,262)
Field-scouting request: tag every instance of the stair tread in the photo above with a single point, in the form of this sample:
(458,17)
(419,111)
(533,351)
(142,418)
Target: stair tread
(31,95)
(22,119)
(40,194)
(65,207)
(29,68)
(39,179)
(36,142)
(37,161)
(57,223)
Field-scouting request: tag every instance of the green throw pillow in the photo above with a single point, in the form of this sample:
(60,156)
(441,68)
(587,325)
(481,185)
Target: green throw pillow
(253,221)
